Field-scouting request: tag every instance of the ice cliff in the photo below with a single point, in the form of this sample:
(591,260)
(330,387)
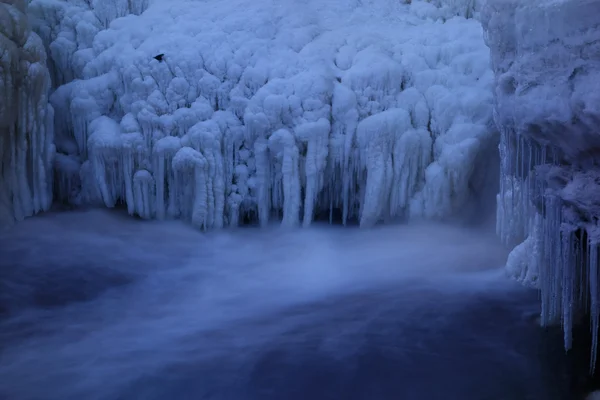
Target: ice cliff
(219,112)
(26,120)
(546,58)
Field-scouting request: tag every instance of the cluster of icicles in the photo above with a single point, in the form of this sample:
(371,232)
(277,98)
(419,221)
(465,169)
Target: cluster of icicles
(190,138)
(207,175)
(559,239)
(26,119)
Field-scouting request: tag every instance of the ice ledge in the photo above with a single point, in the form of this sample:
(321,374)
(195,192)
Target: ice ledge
(545,55)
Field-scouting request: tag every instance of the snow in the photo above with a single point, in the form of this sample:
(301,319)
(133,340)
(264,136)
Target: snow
(26,128)
(548,112)
(262,109)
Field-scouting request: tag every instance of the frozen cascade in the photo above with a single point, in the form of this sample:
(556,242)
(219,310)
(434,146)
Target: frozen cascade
(548,108)
(195,111)
(290,114)
(26,120)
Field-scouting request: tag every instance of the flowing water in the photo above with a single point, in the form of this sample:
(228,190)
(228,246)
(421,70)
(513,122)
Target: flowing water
(98,306)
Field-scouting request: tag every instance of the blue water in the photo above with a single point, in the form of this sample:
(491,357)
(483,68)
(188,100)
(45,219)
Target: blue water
(97,306)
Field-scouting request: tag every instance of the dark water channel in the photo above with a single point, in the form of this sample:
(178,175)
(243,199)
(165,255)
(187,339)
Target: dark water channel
(98,307)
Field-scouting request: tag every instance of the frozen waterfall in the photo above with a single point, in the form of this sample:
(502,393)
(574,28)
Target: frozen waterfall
(223,112)
(258,110)
(26,119)
(548,109)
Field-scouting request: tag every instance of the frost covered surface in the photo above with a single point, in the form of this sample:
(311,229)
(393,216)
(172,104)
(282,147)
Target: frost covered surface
(259,108)
(548,108)
(548,73)
(26,129)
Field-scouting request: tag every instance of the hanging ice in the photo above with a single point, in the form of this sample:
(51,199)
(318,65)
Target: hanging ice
(291,112)
(545,56)
(26,120)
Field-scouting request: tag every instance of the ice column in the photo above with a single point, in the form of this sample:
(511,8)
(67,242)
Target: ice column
(26,119)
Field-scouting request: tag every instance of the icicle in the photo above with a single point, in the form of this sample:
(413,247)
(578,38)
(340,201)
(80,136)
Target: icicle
(105,147)
(315,135)
(594,299)
(377,136)
(131,143)
(163,152)
(144,194)
(551,274)
(191,169)
(206,138)
(583,263)
(263,172)
(569,268)
(411,156)
(282,141)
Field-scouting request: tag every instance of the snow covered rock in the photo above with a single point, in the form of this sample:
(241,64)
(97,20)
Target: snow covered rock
(548,72)
(545,58)
(251,109)
(26,119)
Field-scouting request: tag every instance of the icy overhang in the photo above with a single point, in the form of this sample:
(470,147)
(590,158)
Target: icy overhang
(546,57)
(546,60)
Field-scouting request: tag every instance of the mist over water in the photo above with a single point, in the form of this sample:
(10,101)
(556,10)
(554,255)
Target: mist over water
(96,305)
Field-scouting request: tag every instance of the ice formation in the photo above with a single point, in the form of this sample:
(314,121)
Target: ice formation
(548,110)
(256,109)
(26,120)
(266,108)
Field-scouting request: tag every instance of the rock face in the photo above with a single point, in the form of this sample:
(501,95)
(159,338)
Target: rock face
(546,58)
(26,119)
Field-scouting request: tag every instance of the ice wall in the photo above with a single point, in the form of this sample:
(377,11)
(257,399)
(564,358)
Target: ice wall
(218,112)
(26,119)
(546,57)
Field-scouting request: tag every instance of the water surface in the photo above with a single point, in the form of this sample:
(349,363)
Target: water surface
(98,306)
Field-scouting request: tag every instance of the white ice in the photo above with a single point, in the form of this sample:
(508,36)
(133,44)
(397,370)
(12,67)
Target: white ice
(26,118)
(545,57)
(376,109)
(547,72)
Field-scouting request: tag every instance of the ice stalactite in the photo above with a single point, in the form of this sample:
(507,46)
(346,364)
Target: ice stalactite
(548,109)
(26,119)
(316,137)
(143,184)
(164,151)
(190,185)
(283,145)
(378,137)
